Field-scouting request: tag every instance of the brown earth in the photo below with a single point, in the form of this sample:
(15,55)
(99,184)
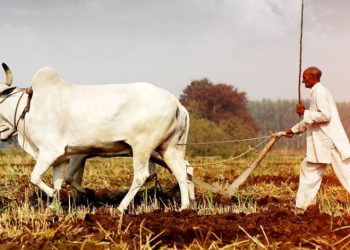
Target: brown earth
(276,224)
(281,226)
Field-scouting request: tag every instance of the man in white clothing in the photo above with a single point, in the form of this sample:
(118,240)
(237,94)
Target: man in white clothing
(326,141)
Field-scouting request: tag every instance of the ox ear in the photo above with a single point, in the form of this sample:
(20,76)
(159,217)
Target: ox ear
(8,73)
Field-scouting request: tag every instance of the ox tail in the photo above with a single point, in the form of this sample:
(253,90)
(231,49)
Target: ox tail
(184,125)
(183,121)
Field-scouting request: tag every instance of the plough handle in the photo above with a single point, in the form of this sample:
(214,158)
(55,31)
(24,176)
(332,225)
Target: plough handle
(232,189)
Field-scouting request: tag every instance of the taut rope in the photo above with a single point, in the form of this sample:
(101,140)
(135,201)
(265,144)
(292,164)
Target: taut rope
(250,149)
(224,142)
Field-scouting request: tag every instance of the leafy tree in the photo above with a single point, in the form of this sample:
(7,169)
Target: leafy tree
(218,112)
(203,130)
(217,102)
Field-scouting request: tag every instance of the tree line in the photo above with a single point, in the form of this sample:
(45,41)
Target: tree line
(220,112)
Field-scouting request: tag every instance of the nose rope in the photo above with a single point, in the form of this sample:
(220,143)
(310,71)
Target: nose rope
(29,92)
(15,121)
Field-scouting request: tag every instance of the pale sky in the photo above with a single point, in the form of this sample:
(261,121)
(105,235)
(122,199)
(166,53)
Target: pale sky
(250,44)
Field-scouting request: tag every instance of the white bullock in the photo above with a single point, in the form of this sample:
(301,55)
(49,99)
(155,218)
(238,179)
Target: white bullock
(67,119)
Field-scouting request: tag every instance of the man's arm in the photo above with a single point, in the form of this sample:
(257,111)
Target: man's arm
(299,127)
(323,113)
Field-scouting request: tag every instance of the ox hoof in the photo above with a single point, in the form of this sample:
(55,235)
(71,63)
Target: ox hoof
(120,211)
(79,188)
(193,204)
(55,204)
(185,208)
(82,191)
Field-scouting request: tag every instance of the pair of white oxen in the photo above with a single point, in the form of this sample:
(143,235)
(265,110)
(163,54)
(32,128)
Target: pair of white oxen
(70,121)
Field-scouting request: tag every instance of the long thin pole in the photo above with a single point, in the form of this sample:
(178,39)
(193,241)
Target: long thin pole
(300,48)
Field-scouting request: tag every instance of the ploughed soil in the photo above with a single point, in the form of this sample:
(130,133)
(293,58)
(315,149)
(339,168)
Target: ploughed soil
(275,225)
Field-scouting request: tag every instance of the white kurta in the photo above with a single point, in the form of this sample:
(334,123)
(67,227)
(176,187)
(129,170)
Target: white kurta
(324,128)
(326,143)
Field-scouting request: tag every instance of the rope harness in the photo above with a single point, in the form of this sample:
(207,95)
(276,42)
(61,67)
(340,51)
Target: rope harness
(15,121)
(29,92)
(223,142)
(250,149)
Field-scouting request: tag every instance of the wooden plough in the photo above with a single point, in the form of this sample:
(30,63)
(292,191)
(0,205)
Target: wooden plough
(233,188)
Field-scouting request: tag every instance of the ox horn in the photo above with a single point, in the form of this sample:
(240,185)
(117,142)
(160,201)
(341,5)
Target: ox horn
(9,77)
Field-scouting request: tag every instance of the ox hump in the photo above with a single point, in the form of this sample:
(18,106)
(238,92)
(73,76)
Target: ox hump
(45,76)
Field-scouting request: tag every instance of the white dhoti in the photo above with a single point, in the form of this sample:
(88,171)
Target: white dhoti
(311,177)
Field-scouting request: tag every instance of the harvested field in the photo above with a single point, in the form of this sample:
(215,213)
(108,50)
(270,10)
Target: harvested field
(260,216)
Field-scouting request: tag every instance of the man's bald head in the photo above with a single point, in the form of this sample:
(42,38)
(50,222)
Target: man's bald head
(311,76)
(316,72)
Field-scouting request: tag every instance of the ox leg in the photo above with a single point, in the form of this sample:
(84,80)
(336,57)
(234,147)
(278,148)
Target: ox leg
(58,173)
(78,177)
(42,165)
(141,173)
(189,170)
(176,162)
(74,174)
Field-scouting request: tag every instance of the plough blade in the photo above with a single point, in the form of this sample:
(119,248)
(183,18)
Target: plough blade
(211,188)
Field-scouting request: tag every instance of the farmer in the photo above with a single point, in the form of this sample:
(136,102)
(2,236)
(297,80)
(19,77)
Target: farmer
(326,141)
